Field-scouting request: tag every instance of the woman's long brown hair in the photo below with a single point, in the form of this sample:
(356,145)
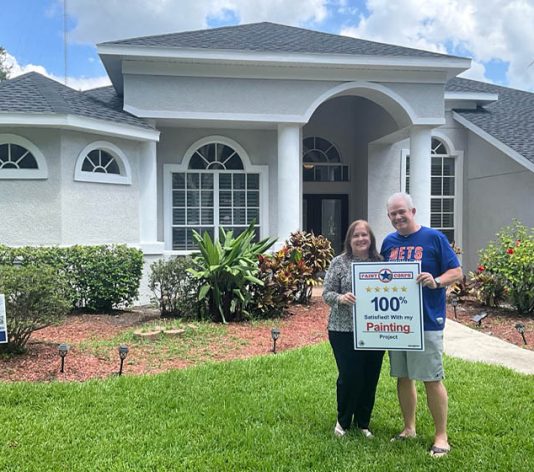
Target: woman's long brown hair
(373,253)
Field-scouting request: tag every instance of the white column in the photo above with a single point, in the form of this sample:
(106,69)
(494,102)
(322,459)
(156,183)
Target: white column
(420,162)
(148,200)
(289,181)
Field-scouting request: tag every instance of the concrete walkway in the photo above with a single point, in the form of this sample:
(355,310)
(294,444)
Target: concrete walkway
(469,344)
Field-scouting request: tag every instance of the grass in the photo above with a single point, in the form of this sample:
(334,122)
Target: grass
(192,345)
(267,413)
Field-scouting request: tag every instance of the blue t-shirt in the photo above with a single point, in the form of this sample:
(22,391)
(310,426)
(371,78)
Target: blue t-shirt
(436,255)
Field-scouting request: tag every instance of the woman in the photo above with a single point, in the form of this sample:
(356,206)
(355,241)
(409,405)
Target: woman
(358,370)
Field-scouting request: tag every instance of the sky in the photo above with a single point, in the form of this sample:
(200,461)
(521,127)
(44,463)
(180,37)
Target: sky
(58,37)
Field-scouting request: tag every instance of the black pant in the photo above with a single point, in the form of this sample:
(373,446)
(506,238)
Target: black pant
(356,384)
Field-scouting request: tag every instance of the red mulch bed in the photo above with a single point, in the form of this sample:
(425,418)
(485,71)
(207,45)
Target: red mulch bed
(304,325)
(500,322)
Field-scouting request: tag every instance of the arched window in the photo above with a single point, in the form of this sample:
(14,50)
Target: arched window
(442,189)
(322,161)
(215,187)
(102,162)
(20,159)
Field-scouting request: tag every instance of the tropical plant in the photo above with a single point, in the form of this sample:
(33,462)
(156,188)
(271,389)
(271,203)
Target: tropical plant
(226,268)
(310,256)
(35,297)
(510,259)
(489,289)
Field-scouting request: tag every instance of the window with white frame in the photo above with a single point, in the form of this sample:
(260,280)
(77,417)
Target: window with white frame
(20,159)
(214,191)
(442,189)
(102,162)
(322,161)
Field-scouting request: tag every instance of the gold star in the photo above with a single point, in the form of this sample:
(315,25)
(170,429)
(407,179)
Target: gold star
(386,289)
(395,289)
(404,289)
(369,289)
(377,289)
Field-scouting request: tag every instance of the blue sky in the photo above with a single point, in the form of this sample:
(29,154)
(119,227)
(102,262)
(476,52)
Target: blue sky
(497,34)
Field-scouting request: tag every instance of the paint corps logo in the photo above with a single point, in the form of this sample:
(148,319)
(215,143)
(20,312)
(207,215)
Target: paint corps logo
(385,276)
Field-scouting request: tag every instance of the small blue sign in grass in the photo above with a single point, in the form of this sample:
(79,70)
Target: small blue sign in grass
(3,321)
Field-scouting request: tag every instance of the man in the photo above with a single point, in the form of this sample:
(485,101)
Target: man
(439,268)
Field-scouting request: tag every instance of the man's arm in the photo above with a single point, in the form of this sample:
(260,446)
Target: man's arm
(426,279)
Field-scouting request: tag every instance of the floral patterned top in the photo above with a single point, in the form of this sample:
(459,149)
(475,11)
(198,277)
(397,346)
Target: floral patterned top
(338,281)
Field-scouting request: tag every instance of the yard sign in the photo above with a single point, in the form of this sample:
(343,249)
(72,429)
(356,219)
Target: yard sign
(3,321)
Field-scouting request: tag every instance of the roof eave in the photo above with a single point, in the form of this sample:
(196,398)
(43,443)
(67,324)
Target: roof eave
(480,98)
(516,156)
(79,123)
(113,55)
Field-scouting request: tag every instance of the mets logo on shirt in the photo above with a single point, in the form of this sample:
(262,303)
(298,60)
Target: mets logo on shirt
(385,275)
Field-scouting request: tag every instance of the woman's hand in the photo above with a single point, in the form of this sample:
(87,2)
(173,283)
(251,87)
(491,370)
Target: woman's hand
(347,299)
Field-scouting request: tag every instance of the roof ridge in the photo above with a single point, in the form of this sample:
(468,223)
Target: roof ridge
(50,91)
(207,35)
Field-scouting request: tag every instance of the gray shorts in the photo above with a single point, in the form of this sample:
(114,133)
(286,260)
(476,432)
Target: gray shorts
(424,365)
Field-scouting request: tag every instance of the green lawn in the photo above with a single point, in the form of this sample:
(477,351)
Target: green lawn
(268,413)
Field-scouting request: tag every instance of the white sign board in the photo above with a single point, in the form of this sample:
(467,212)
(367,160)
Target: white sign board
(3,321)
(388,313)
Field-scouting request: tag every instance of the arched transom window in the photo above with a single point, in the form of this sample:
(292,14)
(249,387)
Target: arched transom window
(20,159)
(102,162)
(442,189)
(216,190)
(13,156)
(216,156)
(322,161)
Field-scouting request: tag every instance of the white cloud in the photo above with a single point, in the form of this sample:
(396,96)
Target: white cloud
(98,21)
(485,30)
(77,83)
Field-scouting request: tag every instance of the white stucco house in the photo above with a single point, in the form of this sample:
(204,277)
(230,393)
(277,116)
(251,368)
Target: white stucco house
(290,127)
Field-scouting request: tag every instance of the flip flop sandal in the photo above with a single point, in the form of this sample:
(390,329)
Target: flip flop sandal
(436,451)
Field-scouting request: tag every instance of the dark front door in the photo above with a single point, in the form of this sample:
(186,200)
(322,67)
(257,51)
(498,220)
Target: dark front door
(327,215)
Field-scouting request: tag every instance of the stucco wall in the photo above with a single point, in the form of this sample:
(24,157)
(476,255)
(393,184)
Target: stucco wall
(60,210)
(96,213)
(31,209)
(497,190)
(221,95)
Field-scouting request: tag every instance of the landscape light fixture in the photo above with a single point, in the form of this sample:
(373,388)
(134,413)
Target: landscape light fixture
(123,352)
(454,303)
(521,330)
(478,318)
(275,334)
(63,350)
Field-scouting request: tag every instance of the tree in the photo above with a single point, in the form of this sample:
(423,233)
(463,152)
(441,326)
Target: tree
(5,69)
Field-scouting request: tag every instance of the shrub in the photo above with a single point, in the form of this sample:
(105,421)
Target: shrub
(35,298)
(106,276)
(226,268)
(174,288)
(510,259)
(99,277)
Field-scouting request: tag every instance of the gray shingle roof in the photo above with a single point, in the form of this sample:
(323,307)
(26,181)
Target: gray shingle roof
(35,93)
(510,119)
(272,37)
